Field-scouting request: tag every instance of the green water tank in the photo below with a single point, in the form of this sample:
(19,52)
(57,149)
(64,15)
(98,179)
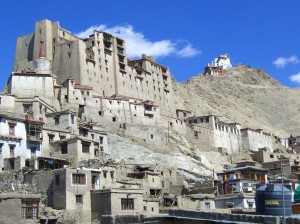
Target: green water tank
(297,195)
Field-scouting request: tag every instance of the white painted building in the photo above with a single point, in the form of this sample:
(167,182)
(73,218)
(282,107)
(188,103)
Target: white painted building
(210,132)
(222,61)
(254,139)
(18,142)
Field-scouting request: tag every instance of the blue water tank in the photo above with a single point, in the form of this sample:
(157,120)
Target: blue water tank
(269,200)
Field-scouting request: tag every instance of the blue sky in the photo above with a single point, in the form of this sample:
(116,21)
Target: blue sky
(182,35)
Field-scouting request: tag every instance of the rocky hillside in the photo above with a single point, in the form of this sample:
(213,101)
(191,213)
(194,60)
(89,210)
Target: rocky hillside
(245,95)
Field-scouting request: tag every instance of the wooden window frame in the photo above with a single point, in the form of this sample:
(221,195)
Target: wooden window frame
(30,208)
(127,203)
(78,179)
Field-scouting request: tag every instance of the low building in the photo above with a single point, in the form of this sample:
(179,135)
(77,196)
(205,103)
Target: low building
(107,203)
(237,186)
(72,191)
(19,208)
(196,202)
(20,139)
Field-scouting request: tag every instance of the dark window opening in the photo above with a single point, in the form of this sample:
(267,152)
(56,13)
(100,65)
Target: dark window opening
(127,203)
(85,147)
(64,148)
(12,151)
(12,128)
(56,120)
(78,179)
(79,199)
(51,137)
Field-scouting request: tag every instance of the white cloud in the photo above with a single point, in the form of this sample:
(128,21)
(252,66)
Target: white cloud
(89,31)
(281,62)
(137,44)
(188,51)
(295,78)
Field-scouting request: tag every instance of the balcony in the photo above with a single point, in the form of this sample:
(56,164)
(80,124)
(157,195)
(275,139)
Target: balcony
(90,55)
(120,42)
(140,75)
(107,37)
(108,46)
(120,51)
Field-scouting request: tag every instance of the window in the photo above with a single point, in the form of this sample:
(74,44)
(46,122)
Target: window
(85,147)
(64,148)
(1,145)
(57,179)
(56,120)
(101,140)
(72,119)
(78,179)
(104,174)
(34,130)
(79,199)
(151,136)
(114,119)
(27,108)
(127,203)
(11,128)
(33,152)
(51,137)
(12,150)
(84,132)
(207,205)
(96,152)
(30,208)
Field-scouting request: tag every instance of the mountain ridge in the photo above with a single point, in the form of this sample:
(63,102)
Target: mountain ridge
(245,95)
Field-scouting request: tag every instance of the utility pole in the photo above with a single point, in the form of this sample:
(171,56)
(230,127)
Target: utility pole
(282,193)
(168,130)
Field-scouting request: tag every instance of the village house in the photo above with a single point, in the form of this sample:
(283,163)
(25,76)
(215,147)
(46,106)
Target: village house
(196,202)
(236,187)
(20,208)
(20,139)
